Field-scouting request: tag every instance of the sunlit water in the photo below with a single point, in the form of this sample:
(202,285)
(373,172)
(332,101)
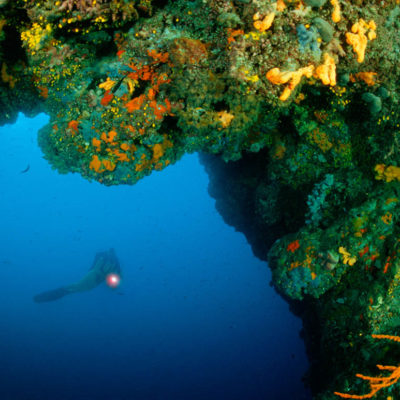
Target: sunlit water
(195,317)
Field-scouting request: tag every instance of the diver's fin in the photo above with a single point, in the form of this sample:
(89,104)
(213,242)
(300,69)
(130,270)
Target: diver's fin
(51,295)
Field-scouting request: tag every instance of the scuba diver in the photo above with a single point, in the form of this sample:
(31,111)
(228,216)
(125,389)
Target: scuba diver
(105,268)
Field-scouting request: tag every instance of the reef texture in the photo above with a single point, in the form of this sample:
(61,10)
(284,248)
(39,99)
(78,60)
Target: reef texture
(295,104)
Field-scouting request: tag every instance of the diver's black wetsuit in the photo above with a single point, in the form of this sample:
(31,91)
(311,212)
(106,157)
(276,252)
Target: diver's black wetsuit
(104,263)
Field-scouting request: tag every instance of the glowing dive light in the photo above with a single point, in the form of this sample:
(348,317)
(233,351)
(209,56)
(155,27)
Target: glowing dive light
(113,280)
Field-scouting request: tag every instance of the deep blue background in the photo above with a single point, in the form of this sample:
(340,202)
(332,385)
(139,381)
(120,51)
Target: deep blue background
(197,318)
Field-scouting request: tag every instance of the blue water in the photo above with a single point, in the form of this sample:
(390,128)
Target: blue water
(197,318)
